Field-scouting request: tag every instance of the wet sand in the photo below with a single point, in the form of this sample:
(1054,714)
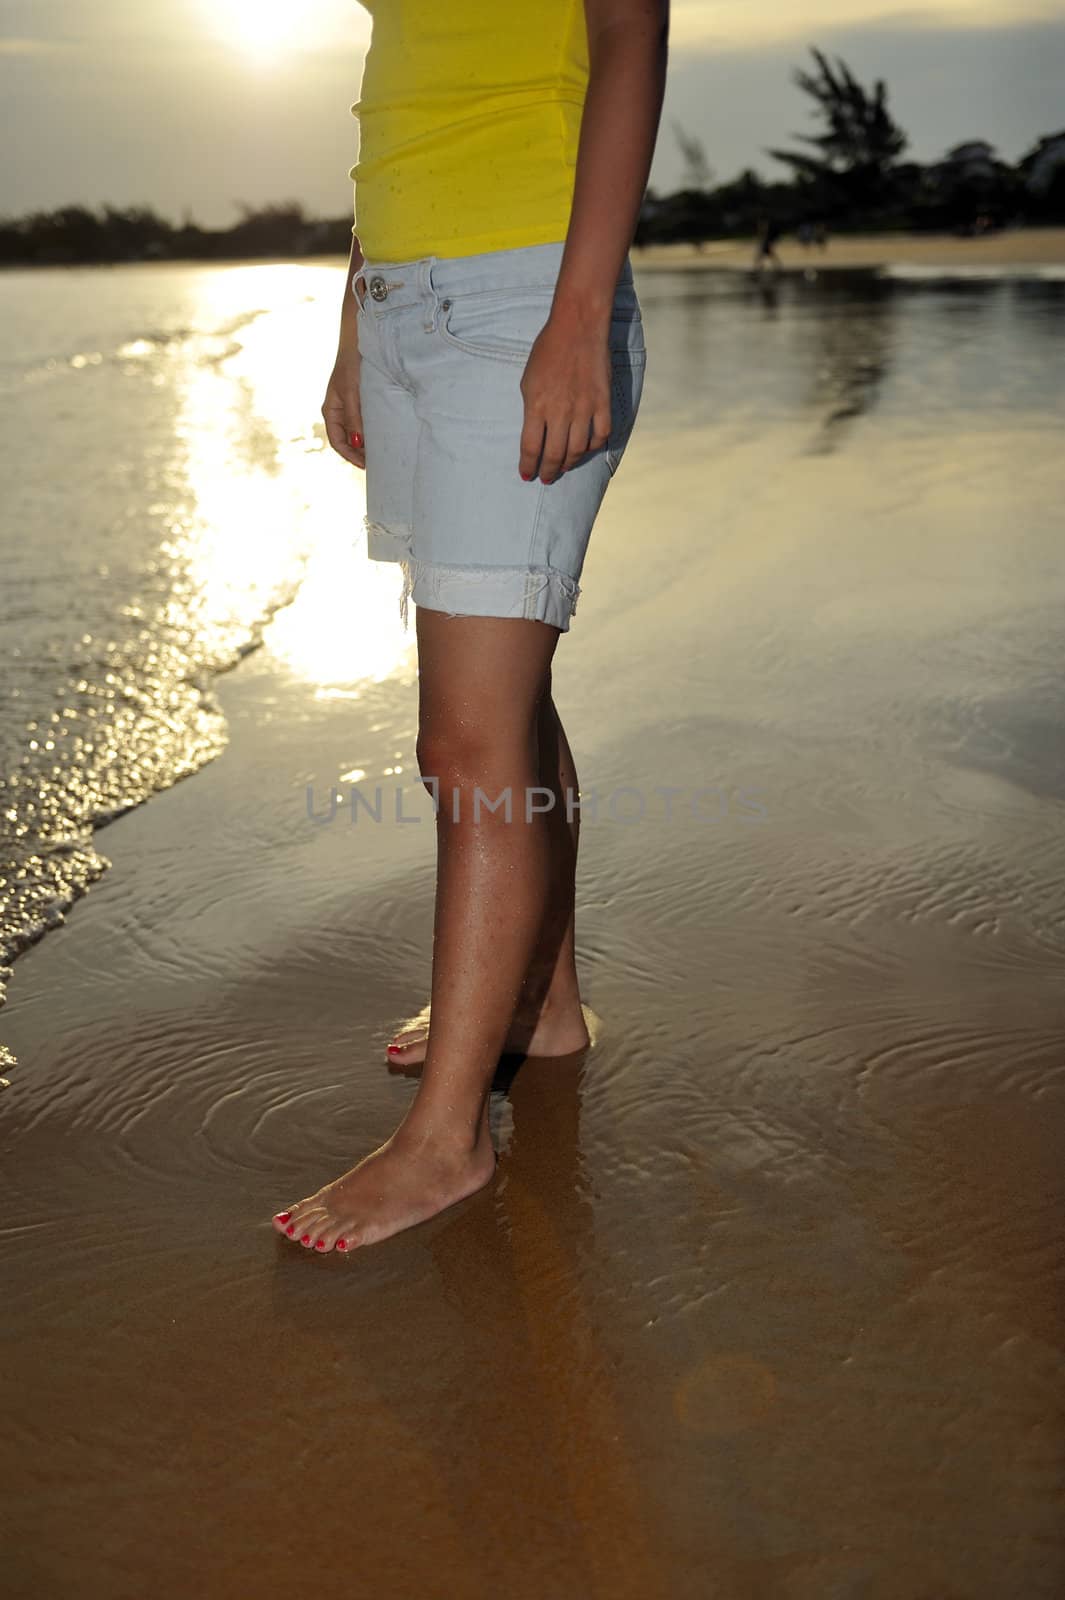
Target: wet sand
(766,1299)
(1017,247)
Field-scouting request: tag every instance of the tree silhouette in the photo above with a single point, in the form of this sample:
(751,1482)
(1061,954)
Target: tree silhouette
(698,173)
(1042,174)
(861,139)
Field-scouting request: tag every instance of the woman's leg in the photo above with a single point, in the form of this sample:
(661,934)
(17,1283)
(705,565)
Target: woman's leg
(482,680)
(548,1019)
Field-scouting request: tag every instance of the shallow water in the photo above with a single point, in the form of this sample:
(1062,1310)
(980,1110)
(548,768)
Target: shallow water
(767,1297)
(163,461)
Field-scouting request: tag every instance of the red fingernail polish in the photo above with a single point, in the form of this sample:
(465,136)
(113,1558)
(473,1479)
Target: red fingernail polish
(290,1230)
(320,1244)
(305,1238)
(527,476)
(342,1244)
(356,439)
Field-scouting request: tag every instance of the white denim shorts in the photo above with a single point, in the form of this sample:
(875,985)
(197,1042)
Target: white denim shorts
(443,345)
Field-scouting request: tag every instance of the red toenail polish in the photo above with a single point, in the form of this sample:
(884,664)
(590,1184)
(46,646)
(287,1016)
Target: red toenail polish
(342,1244)
(282,1216)
(290,1230)
(305,1238)
(320,1244)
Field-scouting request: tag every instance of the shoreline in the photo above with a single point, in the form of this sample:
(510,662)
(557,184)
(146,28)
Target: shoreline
(1022,247)
(1019,247)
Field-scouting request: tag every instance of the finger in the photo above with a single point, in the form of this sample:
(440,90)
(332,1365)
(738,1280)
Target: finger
(353,423)
(352,413)
(345,409)
(602,422)
(532,440)
(356,438)
(578,444)
(339,437)
(336,427)
(556,445)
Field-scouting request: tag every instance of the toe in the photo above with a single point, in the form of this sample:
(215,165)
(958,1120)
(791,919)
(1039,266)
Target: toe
(405,1040)
(414,1033)
(303,1209)
(338,1235)
(303,1226)
(322,1235)
(292,1227)
(310,1230)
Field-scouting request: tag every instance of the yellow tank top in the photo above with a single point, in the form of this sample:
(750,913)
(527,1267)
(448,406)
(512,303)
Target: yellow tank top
(469,118)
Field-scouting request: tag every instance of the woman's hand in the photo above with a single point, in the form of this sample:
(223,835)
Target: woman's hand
(566,387)
(342,411)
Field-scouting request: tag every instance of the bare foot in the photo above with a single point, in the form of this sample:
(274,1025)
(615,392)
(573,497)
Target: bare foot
(404,1182)
(554,1031)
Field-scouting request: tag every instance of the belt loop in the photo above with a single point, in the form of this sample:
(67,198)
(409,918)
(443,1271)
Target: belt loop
(428,290)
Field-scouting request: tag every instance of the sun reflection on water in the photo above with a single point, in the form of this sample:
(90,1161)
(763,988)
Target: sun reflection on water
(278,515)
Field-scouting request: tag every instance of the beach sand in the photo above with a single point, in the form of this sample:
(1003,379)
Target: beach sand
(766,1298)
(1017,247)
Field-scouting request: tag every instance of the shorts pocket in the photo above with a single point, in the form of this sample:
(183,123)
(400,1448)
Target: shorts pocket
(499,324)
(503,324)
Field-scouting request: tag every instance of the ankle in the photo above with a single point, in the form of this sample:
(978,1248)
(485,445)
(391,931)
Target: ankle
(561,997)
(443,1136)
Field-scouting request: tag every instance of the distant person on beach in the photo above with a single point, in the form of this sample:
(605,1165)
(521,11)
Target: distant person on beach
(488,374)
(765,253)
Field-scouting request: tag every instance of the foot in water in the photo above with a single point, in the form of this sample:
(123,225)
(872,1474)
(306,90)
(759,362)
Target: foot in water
(404,1182)
(553,1031)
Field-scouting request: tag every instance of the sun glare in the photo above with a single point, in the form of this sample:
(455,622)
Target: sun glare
(260,28)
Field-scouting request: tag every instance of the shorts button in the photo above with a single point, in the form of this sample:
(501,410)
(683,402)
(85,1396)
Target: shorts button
(378,288)
(445,305)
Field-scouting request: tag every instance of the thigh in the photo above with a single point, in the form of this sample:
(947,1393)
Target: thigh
(485,675)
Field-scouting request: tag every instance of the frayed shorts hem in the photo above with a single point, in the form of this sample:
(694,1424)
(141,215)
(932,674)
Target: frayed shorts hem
(386,544)
(537,594)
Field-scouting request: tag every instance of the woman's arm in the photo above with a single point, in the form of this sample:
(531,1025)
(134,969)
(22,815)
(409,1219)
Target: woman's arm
(349,310)
(342,406)
(628,44)
(566,384)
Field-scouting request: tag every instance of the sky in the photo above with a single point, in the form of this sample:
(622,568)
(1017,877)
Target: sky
(196,106)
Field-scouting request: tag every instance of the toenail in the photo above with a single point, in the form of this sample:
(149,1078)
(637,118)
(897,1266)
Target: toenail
(320,1244)
(342,1244)
(305,1238)
(290,1230)
(282,1216)
(394,1049)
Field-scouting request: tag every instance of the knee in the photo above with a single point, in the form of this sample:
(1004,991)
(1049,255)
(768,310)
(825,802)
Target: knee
(428,752)
(460,754)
